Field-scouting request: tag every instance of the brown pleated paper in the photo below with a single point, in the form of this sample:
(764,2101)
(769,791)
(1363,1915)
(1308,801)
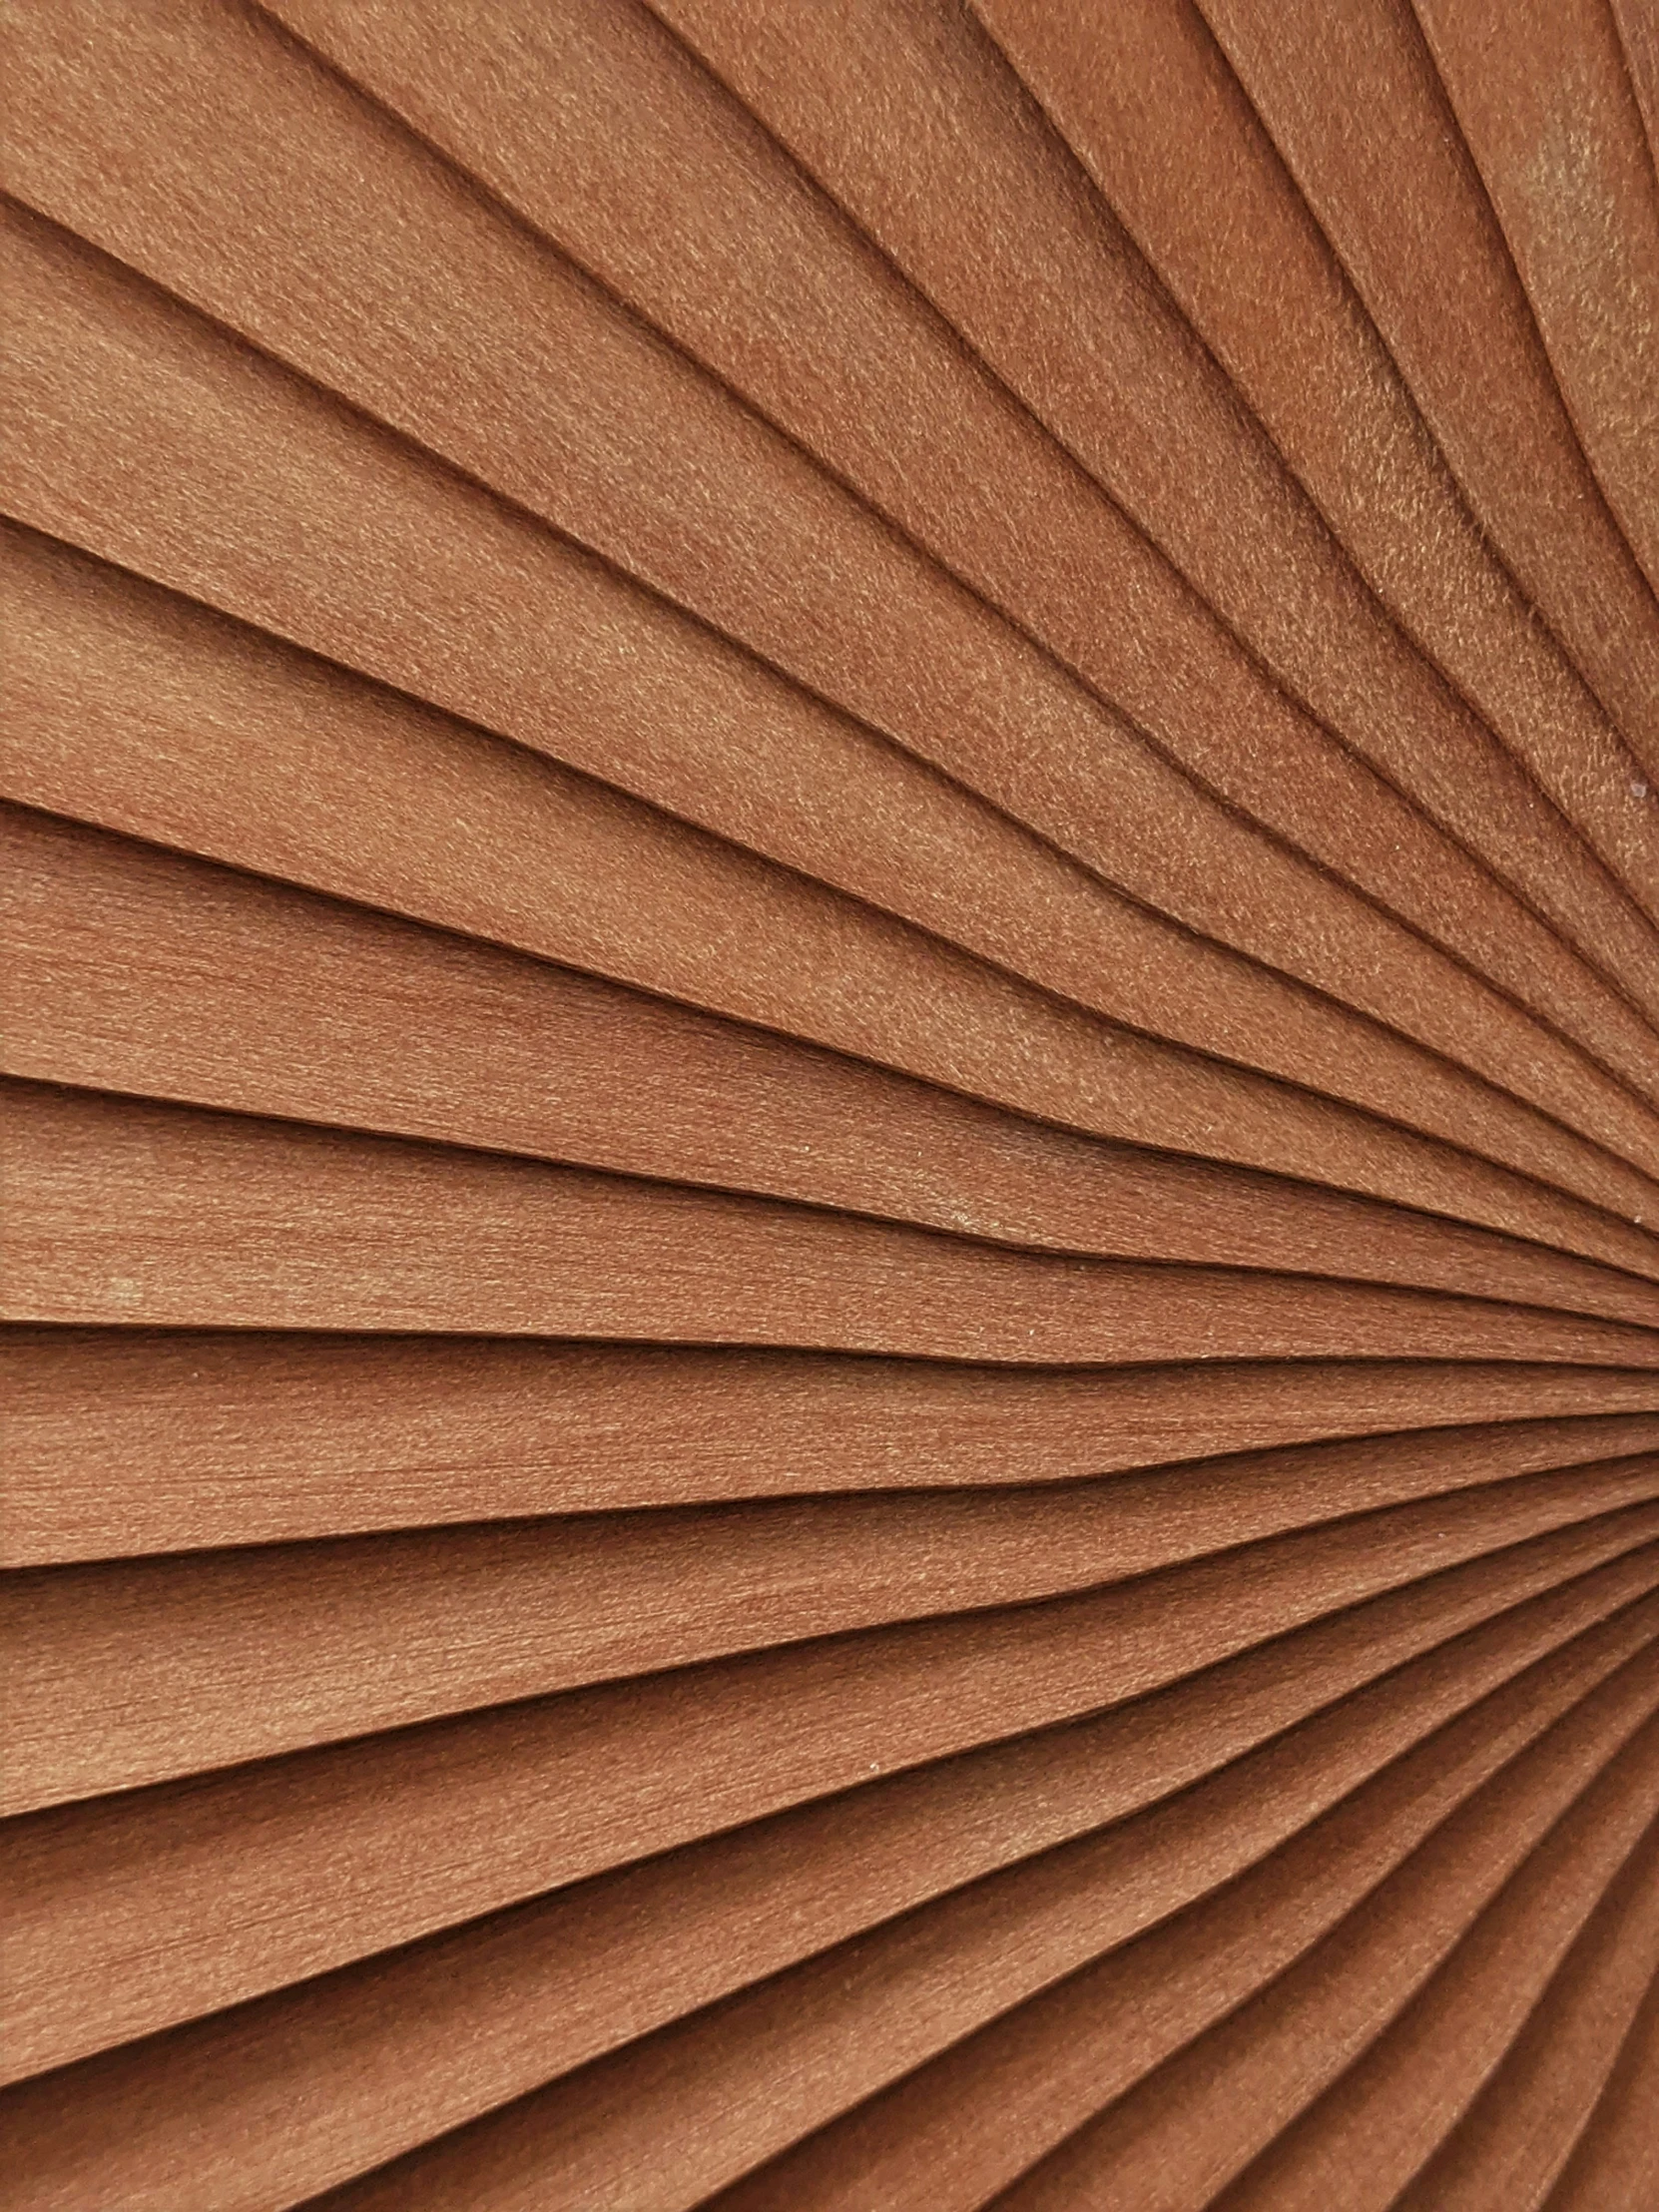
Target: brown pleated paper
(831,1105)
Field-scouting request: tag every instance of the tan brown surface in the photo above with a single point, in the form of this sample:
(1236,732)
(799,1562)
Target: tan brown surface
(831,1087)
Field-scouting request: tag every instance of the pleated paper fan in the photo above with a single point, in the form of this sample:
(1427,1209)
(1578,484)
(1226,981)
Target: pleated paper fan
(832,1005)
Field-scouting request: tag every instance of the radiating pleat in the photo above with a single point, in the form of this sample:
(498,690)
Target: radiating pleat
(1295,2034)
(126,1674)
(1521,2128)
(643,1766)
(1133,2028)
(831,1106)
(132,1441)
(1356,107)
(1312,367)
(300,1228)
(1547,109)
(1639,37)
(1414,2079)
(578,874)
(1616,2156)
(618,686)
(628,1945)
(316,1001)
(576,2141)
(622,397)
